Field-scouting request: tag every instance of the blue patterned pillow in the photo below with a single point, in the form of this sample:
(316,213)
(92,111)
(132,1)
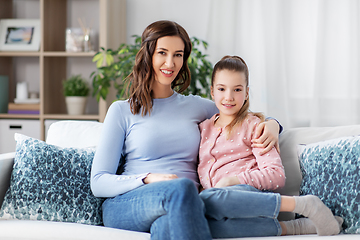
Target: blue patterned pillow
(331,171)
(51,183)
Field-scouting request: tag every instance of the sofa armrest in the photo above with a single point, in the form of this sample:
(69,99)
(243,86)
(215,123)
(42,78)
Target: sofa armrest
(6,166)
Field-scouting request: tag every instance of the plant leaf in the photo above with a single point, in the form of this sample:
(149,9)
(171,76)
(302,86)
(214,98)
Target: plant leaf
(109,59)
(97,56)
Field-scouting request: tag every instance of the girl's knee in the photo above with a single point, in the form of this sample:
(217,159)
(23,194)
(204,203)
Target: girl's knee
(215,194)
(212,197)
(212,193)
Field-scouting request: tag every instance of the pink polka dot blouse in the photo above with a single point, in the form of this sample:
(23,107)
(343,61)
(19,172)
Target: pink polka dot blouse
(221,157)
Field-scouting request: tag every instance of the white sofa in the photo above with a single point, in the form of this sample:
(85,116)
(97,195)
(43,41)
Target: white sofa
(80,134)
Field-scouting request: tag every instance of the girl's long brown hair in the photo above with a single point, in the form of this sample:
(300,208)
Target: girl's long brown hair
(142,76)
(237,64)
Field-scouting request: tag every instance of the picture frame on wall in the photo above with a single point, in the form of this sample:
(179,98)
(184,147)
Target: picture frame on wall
(20,35)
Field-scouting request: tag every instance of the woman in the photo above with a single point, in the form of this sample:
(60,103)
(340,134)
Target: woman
(156,135)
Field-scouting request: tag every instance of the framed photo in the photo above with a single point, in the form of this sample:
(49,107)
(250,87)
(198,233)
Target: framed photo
(20,34)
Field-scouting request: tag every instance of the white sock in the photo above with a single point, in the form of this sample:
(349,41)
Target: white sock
(302,226)
(312,207)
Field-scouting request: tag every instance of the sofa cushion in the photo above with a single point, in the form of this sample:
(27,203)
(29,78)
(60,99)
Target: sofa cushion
(51,183)
(290,139)
(72,133)
(330,170)
(6,164)
(46,230)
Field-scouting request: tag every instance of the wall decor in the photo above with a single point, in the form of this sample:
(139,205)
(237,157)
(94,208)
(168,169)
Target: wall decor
(74,40)
(19,35)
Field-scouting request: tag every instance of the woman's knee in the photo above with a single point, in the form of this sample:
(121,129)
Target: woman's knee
(185,183)
(183,186)
(184,191)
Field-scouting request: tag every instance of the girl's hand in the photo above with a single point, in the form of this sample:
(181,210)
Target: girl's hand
(266,136)
(157,177)
(227,181)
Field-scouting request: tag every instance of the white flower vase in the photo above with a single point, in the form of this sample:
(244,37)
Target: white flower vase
(75,105)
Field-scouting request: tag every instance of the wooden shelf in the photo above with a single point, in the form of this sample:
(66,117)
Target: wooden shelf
(19,116)
(50,116)
(69,54)
(51,54)
(52,61)
(73,117)
(19,54)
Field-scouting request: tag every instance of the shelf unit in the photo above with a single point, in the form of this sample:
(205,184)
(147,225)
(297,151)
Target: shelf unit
(52,61)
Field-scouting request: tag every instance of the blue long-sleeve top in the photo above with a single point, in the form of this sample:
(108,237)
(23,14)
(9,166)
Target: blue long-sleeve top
(166,141)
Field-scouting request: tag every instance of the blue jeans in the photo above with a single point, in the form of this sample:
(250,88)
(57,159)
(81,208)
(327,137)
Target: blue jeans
(241,211)
(168,210)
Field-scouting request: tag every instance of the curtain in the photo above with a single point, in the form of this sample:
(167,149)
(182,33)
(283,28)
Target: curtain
(303,56)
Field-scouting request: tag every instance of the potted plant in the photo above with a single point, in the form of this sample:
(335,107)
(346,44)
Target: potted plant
(76,91)
(113,66)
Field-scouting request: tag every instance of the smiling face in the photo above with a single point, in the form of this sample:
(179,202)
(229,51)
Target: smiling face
(167,61)
(229,92)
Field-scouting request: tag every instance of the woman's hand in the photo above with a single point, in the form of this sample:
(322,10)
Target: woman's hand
(227,181)
(267,136)
(157,177)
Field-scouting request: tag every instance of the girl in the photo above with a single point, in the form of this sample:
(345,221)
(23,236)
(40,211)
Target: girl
(155,137)
(237,178)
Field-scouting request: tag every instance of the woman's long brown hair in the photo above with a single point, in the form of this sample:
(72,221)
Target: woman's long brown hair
(142,76)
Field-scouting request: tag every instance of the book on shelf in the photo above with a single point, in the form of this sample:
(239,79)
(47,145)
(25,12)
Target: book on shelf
(18,108)
(23,112)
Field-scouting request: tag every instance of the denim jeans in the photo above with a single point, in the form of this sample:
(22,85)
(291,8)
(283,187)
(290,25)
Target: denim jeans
(241,211)
(168,210)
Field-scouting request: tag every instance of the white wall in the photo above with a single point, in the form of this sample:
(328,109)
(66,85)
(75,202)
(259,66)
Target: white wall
(193,15)
(297,51)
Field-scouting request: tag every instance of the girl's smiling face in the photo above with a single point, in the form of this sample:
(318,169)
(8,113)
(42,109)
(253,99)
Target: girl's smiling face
(167,62)
(229,92)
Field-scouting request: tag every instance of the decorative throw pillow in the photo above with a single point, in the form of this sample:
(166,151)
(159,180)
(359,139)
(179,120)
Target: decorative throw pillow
(331,171)
(51,183)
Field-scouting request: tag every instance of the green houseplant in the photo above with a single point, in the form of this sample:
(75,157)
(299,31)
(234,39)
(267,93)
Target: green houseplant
(113,66)
(76,91)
